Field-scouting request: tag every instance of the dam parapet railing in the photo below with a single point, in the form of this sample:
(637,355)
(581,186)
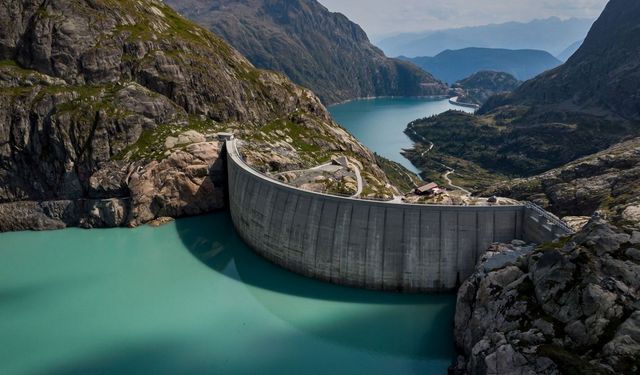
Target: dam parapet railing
(372,244)
(554,220)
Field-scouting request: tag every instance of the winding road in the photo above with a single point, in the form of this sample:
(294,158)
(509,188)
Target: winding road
(449,169)
(446,178)
(454,101)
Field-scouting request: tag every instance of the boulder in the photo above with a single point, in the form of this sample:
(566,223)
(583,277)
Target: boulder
(632,213)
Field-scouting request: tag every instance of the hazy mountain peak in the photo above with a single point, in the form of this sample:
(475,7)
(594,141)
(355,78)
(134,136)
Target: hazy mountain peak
(453,65)
(551,34)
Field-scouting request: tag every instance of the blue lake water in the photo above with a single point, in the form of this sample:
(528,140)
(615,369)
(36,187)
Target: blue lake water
(191,298)
(379,123)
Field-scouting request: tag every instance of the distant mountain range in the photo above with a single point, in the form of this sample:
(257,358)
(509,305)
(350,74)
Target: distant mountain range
(451,66)
(582,107)
(552,35)
(316,48)
(601,79)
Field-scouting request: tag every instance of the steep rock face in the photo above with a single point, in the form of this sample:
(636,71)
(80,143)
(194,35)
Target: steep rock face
(92,90)
(318,49)
(185,183)
(565,308)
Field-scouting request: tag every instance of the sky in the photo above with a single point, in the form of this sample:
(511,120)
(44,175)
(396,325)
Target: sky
(387,17)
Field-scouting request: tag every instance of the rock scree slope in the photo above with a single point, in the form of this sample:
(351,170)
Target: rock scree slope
(607,181)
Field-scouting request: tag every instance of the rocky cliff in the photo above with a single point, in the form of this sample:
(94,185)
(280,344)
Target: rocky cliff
(109,112)
(571,307)
(568,307)
(323,51)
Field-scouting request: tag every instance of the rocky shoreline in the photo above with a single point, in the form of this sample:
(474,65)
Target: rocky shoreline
(570,307)
(190,181)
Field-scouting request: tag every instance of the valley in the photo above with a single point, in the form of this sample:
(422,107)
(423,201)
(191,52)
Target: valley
(243,186)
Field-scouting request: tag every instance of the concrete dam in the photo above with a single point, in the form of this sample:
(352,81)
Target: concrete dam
(372,244)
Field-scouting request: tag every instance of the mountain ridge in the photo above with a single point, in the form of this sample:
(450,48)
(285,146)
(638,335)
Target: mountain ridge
(453,65)
(579,108)
(551,34)
(318,49)
(480,86)
(603,73)
(569,51)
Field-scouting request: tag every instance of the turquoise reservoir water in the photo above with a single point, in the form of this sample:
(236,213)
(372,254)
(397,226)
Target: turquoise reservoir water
(191,298)
(379,123)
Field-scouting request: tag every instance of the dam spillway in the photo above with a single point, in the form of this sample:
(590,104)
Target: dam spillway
(372,244)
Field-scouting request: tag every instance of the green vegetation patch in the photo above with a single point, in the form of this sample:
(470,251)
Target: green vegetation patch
(518,141)
(556,245)
(399,176)
(151,144)
(434,164)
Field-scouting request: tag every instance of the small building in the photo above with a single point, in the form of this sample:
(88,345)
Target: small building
(428,189)
(222,137)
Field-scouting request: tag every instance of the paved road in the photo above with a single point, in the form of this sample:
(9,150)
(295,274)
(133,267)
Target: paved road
(359,179)
(449,169)
(454,101)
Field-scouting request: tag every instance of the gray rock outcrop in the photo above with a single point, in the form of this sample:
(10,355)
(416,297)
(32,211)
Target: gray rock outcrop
(562,308)
(606,181)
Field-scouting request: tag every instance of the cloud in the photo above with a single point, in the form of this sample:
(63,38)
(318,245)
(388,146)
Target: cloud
(380,17)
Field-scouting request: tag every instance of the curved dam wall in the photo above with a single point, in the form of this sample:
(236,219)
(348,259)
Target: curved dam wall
(369,244)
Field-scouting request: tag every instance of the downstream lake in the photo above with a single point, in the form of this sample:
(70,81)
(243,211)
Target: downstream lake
(191,298)
(380,123)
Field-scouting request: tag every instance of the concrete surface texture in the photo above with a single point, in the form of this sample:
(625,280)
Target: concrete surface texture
(370,244)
